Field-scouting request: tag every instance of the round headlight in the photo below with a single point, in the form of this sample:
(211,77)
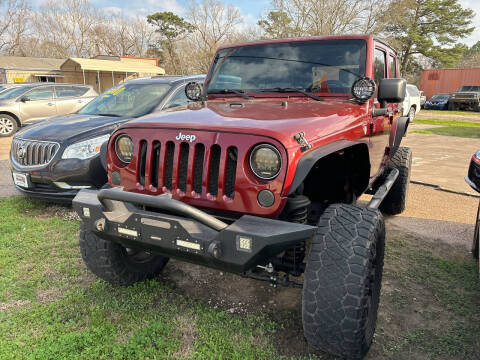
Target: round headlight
(265,161)
(124,148)
(193,91)
(363,89)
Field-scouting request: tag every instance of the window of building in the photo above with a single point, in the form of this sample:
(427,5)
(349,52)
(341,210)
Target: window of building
(46,78)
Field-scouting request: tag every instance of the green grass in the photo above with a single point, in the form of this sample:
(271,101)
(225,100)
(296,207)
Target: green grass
(440,288)
(51,307)
(447,122)
(451,112)
(458,131)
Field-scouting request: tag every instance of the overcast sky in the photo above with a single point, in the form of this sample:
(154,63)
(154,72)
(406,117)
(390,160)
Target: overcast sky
(251,9)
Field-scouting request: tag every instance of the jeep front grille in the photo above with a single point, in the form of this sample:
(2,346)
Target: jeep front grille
(32,152)
(180,164)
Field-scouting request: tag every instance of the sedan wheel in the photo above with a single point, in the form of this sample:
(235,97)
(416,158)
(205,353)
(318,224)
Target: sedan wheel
(411,114)
(8,126)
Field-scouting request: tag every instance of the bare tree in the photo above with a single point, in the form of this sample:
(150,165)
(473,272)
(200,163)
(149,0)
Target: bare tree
(215,24)
(324,17)
(14,21)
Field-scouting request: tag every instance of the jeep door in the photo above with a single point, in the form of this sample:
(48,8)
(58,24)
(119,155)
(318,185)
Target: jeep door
(380,126)
(37,104)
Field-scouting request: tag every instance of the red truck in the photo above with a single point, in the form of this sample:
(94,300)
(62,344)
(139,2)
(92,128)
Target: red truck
(260,176)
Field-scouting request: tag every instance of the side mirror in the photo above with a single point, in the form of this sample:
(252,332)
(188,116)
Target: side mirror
(391,91)
(24,99)
(194,91)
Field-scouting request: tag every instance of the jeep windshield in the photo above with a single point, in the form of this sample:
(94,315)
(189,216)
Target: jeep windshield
(127,100)
(470,88)
(322,67)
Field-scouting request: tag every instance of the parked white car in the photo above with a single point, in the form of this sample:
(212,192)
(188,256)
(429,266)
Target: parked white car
(411,104)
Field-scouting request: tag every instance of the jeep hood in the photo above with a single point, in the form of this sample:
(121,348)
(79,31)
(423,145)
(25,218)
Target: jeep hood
(280,118)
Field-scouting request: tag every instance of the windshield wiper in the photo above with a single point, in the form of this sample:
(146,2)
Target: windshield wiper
(286,89)
(240,93)
(113,115)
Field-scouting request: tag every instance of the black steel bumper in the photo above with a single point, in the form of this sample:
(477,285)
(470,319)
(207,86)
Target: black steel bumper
(184,232)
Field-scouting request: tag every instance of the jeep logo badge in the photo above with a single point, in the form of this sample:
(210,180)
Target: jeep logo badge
(182,137)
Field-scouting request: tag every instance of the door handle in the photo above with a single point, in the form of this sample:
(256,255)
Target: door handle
(50,104)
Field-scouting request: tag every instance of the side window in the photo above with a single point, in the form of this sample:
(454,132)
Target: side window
(393,67)
(69,91)
(380,66)
(42,93)
(178,99)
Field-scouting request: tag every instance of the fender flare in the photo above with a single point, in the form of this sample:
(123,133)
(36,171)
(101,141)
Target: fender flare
(306,162)
(401,131)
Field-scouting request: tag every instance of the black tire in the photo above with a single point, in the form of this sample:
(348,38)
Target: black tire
(341,290)
(8,125)
(476,107)
(396,199)
(476,236)
(115,263)
(451,106)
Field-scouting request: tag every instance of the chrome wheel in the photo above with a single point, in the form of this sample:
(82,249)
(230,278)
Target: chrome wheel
(411,114)
(6,126)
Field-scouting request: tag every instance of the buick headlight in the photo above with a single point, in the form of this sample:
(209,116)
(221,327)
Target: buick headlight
(85,149)
(124,148)
(265,161)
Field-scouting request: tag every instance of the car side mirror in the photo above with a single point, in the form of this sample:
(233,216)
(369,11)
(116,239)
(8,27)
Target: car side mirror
(194,91)
(392,90)
(24,99)
(389,91)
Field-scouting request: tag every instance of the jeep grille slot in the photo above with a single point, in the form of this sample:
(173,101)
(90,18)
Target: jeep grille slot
(168,169)
(142,161)
(183,167)
(198,168)
(155,163)
(32,152)
(231,171)
(213,169)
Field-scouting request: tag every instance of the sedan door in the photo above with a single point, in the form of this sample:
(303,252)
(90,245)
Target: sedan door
(69,98)
(37,104)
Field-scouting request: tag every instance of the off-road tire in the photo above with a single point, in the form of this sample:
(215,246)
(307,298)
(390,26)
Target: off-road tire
(8,125)
(476,238)
(451,106)
(341,290)
(396,199)
(476,107)
(111,261)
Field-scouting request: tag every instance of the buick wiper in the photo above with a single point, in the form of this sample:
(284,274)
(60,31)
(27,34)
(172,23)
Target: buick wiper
(301,91)
(240,93)
(113,115)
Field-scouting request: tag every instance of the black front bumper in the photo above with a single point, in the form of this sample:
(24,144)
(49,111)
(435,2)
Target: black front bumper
(184,232)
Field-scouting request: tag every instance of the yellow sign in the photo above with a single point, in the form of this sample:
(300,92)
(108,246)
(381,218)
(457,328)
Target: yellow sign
(19,80)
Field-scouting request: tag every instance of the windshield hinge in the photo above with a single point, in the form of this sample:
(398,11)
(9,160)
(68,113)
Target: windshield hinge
(300,138)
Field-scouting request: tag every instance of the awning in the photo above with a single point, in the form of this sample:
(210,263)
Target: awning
(49,75)
(116,66)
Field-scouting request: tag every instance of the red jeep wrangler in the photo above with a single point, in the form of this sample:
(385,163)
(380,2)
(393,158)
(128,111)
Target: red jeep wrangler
(259,176)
